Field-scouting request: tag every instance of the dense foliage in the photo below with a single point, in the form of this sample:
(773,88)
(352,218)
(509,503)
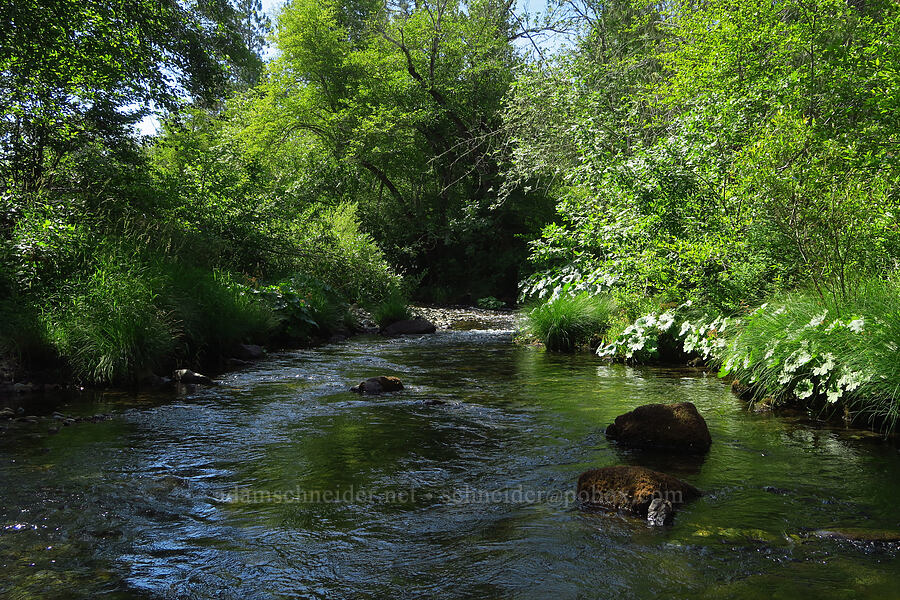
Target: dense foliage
(719,152)
(712,156)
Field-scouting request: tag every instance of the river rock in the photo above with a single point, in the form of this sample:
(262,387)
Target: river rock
(378,385)
(7,413)
(634,489)
(188,376)
(676,427)
(660,512)
(249,352)
(415,326)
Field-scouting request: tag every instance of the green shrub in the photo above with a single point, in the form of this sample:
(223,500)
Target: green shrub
(305,306)
(349,261)
(490,303)
(565,322)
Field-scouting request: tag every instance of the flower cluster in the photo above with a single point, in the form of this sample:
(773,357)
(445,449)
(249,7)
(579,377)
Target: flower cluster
(571,280)
(797,360)
(640,340)
(794,360)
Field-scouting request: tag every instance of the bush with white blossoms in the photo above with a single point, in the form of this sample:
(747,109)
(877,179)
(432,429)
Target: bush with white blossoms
(640,341)
(797,352)
(790,353)
(571,280)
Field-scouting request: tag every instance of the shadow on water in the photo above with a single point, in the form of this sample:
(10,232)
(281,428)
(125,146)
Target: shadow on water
(281,483)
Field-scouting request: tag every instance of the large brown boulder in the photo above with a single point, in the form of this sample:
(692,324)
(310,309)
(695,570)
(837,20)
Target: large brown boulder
(415,326)
(637,490)
(378,385)
(676,427)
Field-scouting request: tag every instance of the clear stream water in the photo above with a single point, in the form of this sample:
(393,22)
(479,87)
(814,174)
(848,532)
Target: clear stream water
(177,496)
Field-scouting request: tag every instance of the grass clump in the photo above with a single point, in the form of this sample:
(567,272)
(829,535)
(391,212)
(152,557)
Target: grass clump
(566,322)
(838,356)
(113,330)
(213,312)
(390,310)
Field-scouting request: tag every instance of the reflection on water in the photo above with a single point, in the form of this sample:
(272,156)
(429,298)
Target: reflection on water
(280,483)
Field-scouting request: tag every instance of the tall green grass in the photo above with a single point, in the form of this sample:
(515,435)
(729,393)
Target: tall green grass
(212,311)
(390,310)
(827,354)
(112,329)
(566,322)
(131,317)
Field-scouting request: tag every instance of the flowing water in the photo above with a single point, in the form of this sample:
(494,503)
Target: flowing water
(281,484)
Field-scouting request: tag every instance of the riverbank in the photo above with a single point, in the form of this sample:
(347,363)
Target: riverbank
(356,322)
(836,359)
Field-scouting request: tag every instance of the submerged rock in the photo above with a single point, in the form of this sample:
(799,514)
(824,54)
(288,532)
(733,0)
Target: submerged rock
(638,490)
(188,376)
(237,363)
(378,385)
(415,326)
(667,426)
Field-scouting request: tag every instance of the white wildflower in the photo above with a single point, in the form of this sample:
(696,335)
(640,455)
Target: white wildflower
(816,321)
(834,394)
(665,321)
(798,358)
(690,342)
(685,327)
(637,344)
(851,380)
(826,366)
(647,321)
(803,389)
(729,364)
(856,325)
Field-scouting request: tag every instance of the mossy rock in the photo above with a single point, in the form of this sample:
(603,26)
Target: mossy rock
(677,427)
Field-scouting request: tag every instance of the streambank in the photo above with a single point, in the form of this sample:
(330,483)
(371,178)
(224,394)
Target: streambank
(17,386)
